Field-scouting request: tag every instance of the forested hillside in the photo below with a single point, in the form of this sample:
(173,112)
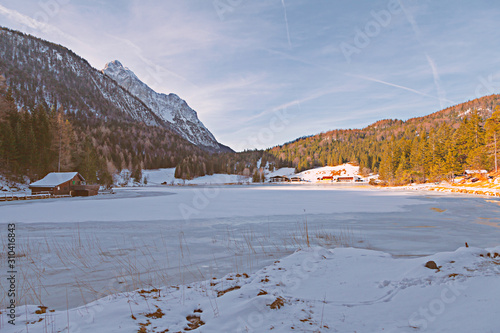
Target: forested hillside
(420,149)
(43,139)
(59,113)
(37,141)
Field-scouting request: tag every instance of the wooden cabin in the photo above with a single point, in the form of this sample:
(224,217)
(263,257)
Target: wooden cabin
(345,179)
(296,179)
(64,183)
(325,179)
(277,179)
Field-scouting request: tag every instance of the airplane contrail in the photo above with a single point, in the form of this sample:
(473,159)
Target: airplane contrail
(430,61)
(400,87)
(286,22)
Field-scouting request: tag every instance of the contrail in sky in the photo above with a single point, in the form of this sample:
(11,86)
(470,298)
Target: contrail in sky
(441,99)
(430,61)
(286,22)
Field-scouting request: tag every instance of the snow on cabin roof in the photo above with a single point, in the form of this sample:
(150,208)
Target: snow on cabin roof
(475,171)
(55,179)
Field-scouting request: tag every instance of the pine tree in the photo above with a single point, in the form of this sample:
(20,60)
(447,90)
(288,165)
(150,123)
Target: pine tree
(492,127)
(62,141)
(89,163)
(9,146)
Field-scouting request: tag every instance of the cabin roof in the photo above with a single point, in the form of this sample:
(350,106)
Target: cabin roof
(475,171)
(56,178)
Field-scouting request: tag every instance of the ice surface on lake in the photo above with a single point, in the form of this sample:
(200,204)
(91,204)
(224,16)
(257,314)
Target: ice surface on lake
(156,236)
(189,203)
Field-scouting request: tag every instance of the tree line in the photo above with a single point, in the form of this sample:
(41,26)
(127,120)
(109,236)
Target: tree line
(401,152)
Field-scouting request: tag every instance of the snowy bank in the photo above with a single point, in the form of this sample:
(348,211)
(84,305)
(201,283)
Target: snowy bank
(313,290)
(9,186)
(343,170)
(166,176)
(482,188)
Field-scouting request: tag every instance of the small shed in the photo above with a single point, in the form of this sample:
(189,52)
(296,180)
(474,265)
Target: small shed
(64,183)
(277,179)
(296,179)
(345,179)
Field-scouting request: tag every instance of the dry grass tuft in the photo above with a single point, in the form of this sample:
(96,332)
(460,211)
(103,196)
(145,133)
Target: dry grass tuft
(277,304)
(155,315)
(194,322)
(142,327)
(43,309)
(223,292)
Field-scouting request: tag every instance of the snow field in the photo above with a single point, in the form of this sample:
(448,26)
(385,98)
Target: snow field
(139,239)
(312,290)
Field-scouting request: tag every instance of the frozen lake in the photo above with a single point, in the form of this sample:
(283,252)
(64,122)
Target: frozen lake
(84,248)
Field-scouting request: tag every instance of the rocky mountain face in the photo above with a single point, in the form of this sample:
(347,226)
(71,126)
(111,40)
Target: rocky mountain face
(170,108)
(38,71)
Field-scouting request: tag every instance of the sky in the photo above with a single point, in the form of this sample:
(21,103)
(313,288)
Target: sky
(262,73)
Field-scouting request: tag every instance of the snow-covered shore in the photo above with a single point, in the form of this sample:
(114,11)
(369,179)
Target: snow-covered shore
(445,188)
(312,290)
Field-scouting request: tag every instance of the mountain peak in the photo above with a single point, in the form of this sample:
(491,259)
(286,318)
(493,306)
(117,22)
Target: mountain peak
(115,67)
(172,109)
(114,63)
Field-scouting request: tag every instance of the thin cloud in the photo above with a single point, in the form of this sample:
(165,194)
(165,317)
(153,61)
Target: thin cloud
(31,23)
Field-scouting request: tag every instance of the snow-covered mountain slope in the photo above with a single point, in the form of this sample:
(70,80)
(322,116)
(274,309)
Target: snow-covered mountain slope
(170,108)
(38,71)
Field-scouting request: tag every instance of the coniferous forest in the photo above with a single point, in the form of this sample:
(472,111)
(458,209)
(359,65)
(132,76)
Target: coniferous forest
(430,148)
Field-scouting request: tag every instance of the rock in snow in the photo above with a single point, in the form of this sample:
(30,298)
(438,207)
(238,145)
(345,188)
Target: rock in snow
(170,108)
